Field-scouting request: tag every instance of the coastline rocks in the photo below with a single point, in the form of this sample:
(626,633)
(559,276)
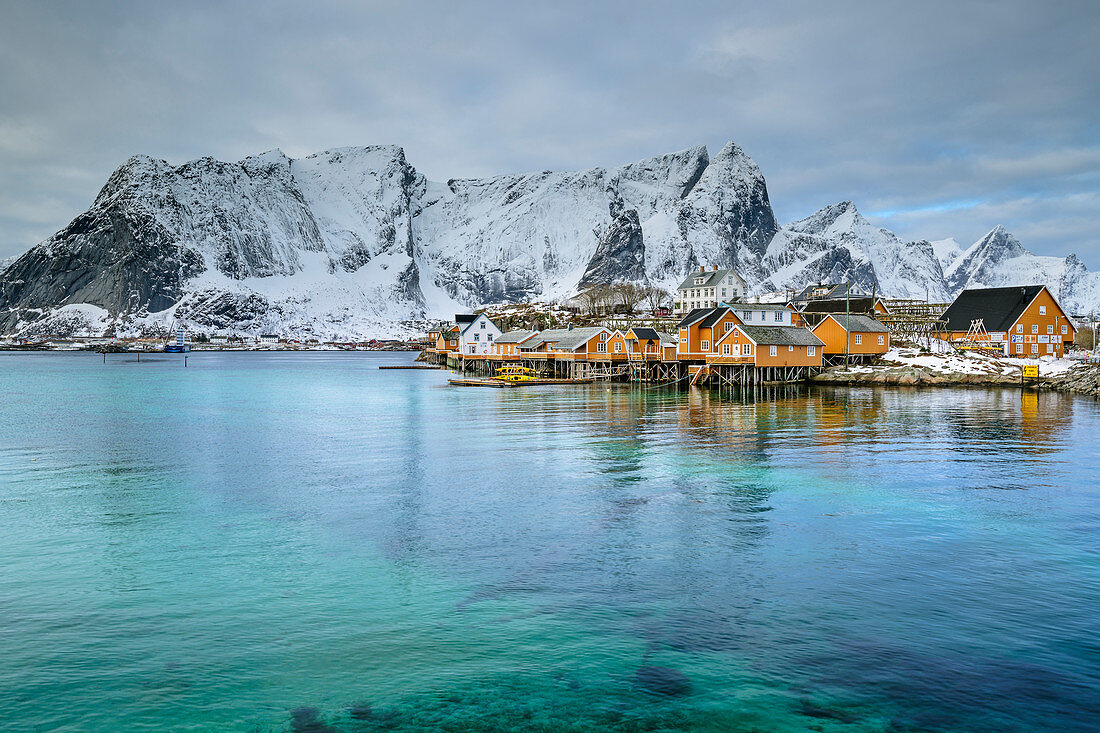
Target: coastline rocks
(906,376)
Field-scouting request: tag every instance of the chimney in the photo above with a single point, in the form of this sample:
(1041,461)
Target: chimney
(702,268)
(715,268)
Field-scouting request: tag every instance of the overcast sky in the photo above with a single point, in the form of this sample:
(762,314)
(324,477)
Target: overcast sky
(937,119)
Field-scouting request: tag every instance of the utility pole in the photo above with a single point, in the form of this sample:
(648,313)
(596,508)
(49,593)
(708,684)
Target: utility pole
(847,323)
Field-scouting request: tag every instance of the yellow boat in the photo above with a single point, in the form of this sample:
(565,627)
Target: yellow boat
(515,373)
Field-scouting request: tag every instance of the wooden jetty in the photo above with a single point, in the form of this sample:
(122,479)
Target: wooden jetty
(411,366)
(491,382)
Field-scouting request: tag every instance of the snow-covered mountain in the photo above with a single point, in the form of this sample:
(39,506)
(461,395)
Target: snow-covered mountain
(998,259)
(353,241)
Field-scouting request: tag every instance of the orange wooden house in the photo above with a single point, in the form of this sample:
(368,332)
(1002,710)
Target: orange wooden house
(866,338)
(768,346)
(447,340)
(701,328)
(508,344)
(1025,321)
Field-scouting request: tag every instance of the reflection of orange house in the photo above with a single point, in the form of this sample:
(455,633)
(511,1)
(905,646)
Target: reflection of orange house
(768,346)
(1024,321)
(865,336)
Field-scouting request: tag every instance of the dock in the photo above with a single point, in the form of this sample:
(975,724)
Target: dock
(411,366)
(501,383)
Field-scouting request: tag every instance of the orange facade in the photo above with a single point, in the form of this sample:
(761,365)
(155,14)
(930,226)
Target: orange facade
(697,341)
(859,342)
(1043,329)
(736,347)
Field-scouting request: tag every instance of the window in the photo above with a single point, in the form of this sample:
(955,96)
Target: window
(683,339)
(1050,349)
(1019,348)
(779,316)
(1042,310)
(704,345)
(881,340)
(1035,328)
(729,325)
(748,316)
(723,292)
(490,337)
(774,351)
(1035,348)
(601,348)
(790,348)
(483,324)
(729,281)
(859,339)
(1019,328)
(1050,329)
(603,337)
(477,337)
(618,347)
(746,349)
(811,350)
(698,281)
(1064,330)
(725,349)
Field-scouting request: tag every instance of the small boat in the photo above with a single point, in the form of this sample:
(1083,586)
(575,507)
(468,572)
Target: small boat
(515,373)
(180,345)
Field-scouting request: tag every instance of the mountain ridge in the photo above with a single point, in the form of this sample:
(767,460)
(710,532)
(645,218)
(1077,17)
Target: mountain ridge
(354,240)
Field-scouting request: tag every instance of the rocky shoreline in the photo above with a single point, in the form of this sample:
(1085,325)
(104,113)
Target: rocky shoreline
(1079,379)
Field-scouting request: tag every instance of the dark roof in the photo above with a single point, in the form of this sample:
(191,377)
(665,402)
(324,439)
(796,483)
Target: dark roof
(785,335)
(465,318)
(839,305)
(695,314)
(646,333)
(999,308)
(859,324)
(831,290)
(715,316)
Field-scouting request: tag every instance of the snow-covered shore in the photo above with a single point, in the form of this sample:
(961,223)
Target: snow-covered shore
(913,366)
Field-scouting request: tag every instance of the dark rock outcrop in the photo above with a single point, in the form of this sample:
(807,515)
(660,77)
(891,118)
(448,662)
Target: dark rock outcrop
(620,253)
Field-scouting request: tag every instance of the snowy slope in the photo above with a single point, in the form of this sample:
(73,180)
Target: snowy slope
(351,242)
(998,260)
(837,244)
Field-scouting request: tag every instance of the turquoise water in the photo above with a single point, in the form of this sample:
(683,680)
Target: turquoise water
(301,542)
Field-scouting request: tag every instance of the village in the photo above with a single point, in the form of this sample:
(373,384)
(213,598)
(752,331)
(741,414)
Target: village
(714,335)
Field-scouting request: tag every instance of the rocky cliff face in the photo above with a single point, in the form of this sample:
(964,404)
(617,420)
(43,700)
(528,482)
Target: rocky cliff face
(351,241)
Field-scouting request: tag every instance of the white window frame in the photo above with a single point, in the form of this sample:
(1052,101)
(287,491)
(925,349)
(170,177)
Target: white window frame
(601,348)
(1019,328)
(618,347)
(1019,348)
(774,350)
(1065,329)
(811,351)
(1034,328)
(1050,329)
(859,339)
(881,340)
(746,349)
(725,349)
(1042,310)
(728,326)
(704,345)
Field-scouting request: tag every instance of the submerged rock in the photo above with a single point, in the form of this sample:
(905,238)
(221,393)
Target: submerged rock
(662,681)
(308,720)
(360,711)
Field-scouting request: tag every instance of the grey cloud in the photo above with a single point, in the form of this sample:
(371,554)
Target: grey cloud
(901,107)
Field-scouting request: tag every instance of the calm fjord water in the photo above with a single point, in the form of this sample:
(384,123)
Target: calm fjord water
(303,542)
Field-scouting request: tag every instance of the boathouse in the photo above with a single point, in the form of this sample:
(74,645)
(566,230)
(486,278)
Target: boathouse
(858,336)
(508,344)
(1025,321)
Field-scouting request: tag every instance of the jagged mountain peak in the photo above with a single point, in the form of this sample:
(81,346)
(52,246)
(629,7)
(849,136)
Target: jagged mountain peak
(843,216)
